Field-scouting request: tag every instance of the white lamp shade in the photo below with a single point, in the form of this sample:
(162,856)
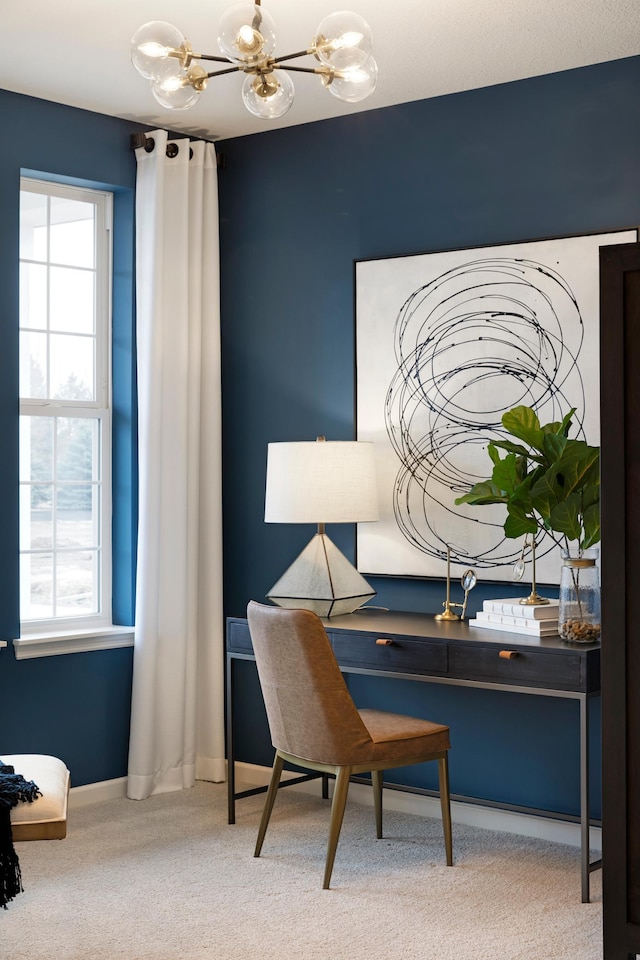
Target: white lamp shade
(321,482)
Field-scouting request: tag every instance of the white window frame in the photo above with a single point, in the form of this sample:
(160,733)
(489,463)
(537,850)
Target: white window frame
(44,637)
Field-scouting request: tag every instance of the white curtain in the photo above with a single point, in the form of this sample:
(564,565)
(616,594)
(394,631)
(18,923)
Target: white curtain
(178,677)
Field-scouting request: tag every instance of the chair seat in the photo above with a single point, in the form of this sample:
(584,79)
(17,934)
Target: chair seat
(397,737)
(46,817)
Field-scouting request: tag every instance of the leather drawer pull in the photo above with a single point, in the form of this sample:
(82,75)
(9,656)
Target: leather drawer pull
(384,642)
(508,654)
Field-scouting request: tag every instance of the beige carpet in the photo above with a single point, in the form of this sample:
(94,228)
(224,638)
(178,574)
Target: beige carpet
(168,879)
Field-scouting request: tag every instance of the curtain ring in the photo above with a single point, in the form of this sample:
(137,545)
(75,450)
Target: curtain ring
(172,149)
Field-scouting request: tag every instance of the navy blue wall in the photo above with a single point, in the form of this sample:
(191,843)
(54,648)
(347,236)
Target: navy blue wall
(549,156)
(545,157)
(75,706)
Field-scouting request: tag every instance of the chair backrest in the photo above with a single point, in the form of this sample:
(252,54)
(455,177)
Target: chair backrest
(310,711)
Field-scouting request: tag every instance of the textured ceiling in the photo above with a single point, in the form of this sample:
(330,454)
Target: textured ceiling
(78,53)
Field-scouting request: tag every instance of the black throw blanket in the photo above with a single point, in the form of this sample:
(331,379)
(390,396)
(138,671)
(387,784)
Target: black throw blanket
(13,790)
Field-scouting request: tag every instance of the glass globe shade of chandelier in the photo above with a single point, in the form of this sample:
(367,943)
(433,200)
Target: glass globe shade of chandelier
(341,47)
(266,95)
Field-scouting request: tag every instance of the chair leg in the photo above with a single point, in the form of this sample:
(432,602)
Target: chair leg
(445,803)
(276,773)
(337,813)
(376,782)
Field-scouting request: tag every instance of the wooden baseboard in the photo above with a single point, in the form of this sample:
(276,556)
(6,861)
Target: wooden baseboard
(95,792)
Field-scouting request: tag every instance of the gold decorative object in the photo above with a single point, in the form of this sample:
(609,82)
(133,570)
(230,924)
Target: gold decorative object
(468,581)
(518,573)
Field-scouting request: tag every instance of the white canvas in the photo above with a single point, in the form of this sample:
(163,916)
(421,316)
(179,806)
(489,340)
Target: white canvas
(446,343)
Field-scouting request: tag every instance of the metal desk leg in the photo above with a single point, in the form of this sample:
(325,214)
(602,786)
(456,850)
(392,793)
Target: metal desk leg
(587,865)
(231,767)
(584,797)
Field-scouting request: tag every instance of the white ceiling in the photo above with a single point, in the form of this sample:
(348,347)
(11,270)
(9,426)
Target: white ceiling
(77,52)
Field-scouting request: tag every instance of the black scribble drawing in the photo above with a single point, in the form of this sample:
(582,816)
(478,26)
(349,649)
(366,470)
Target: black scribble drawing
(475,341)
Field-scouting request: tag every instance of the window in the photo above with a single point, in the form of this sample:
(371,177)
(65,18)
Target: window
(65,407)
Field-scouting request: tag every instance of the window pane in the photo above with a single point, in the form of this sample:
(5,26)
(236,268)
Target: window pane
(36,448)
(33,296)
(72,367)
(33,226)
(36,581)
(39,532)
(72,300)
(72,233)
(76,586)
(33,365)
(74,503)
(75,526)
(77,440)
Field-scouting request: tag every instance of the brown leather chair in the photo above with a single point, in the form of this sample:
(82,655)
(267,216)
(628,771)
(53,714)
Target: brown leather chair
(315,724)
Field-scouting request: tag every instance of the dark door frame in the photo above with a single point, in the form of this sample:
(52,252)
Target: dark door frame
(620,508)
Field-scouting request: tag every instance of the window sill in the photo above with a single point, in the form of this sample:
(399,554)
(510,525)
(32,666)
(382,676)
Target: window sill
(72,641)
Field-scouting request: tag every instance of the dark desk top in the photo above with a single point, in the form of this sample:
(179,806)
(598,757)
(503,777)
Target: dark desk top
(425,625)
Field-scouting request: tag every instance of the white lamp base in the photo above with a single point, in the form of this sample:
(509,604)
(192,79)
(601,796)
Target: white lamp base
(323,580)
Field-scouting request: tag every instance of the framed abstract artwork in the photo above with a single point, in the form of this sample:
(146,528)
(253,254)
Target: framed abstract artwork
(446,342)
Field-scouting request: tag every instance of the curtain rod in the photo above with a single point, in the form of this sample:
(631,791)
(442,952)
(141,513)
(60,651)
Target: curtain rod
(142,140)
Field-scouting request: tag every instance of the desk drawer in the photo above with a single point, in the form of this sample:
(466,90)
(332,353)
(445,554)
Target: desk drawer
(398,654)
(525,666)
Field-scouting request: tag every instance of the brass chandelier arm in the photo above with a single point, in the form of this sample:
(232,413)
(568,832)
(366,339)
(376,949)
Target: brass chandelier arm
(327,71)
(299,53)
(186,55)
(219,73)
(208,56)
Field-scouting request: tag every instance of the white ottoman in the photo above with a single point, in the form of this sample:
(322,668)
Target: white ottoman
(46,817)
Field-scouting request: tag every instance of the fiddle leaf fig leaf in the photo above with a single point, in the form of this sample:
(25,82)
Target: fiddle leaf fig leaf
(507,473)
(566,422)
(493,452)
(560,429)
(545,494)
(516,526)
(591,496)
(483,493)
(578,465)
(554,445)
(516,448)
(591,524)
(523,423)
(565,517)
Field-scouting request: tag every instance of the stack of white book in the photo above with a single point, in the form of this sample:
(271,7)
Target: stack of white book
(534,619)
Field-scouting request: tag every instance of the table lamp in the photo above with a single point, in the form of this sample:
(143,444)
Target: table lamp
(321,482)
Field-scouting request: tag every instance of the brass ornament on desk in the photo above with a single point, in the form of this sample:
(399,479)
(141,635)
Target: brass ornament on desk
(468,581)
(518,573)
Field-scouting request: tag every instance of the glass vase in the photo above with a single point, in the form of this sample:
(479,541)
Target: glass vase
(579,608)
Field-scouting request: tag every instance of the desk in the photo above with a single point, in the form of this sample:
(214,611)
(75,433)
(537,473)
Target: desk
(417,647)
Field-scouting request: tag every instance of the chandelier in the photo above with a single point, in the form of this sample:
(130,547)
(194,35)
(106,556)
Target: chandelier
(246,37)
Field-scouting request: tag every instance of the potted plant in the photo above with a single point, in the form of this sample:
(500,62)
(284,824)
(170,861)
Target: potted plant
(550,482)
